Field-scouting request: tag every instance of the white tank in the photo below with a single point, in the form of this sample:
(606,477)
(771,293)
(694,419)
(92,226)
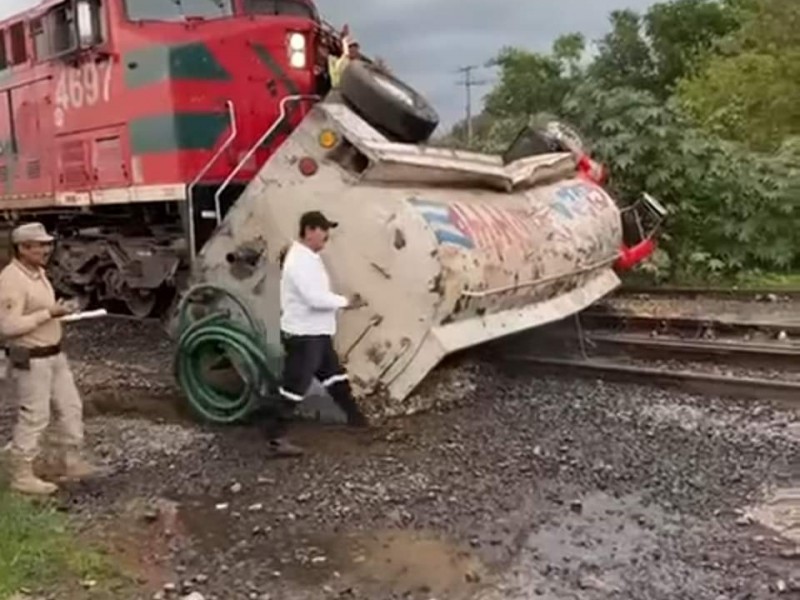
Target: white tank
(449,249)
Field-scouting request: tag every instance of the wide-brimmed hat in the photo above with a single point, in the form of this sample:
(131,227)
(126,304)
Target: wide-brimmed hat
(31,232)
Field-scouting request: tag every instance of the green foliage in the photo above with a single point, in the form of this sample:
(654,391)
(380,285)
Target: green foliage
(531,82)
(749,93)
(624,58)
(696,102)
(730,209)
(38,550)
(682,34)
(653,52)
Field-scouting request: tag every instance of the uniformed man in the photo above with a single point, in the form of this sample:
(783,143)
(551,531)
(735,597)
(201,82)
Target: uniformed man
(308,324)
(31,332)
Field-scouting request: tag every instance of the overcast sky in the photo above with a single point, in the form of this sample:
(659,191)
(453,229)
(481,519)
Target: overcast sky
(425,41)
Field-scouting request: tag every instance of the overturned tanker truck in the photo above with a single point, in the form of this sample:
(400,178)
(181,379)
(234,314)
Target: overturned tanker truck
(172,147)
(450,249)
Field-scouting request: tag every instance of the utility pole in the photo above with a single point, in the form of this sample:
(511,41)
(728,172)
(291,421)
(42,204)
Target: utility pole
(468,82)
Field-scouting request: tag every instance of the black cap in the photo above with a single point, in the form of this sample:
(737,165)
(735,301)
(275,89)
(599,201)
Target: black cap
(316,220)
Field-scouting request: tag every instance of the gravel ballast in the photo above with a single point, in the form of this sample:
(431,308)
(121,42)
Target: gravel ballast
(529,488)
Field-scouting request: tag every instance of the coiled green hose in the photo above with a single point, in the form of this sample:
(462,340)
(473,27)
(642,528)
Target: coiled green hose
(219,338)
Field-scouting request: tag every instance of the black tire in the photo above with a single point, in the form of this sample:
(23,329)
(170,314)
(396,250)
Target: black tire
(410,122)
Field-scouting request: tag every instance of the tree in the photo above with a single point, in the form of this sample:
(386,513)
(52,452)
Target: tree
(682,35)
(624,58)
(749,93)
(532,82)
(653,52)
(730,209)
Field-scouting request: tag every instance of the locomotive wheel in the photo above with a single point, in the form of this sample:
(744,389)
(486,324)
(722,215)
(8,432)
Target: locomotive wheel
(388,103)
(140,303)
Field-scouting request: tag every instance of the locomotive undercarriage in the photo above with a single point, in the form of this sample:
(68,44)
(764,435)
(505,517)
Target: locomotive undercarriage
(129,258)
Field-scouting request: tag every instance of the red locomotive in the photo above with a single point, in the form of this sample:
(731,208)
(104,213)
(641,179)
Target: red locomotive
(114,112)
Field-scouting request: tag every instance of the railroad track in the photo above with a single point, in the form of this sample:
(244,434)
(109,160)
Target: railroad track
(769,355)
(710,292)
(601,318)
(783,393)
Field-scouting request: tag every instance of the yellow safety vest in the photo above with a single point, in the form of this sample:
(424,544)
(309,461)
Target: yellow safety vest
(337,64)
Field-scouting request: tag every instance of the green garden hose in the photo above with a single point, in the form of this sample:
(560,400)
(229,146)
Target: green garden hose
(221,339)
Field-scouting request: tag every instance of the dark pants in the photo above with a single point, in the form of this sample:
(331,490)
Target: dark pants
(307,357)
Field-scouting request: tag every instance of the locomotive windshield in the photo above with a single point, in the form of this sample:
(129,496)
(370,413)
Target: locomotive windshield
(293,8)
(177,10)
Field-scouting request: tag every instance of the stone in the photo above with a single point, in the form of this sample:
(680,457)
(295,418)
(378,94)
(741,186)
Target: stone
(236,488)
(791,552)
(194,596)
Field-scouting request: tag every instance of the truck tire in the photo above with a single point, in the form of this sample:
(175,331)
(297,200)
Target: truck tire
(387,103)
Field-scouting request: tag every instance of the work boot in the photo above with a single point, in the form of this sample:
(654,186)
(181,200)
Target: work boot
(76,468)
(283,448)
(24,481)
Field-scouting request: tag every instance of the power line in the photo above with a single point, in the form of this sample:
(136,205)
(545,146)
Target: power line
(468,82)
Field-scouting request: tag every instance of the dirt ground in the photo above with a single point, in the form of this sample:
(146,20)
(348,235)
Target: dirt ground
(527,488)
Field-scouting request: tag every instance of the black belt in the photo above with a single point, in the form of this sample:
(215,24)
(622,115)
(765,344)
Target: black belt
(41,351)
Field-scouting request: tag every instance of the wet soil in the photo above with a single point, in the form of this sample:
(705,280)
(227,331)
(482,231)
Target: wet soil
(529,488)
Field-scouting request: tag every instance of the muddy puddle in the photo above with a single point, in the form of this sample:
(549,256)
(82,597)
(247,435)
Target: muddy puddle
(413,564)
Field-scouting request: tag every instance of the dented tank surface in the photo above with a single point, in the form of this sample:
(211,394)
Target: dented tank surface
(450,249)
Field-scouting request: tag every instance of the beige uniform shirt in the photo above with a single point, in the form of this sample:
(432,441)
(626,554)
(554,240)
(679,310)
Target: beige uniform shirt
(26,297)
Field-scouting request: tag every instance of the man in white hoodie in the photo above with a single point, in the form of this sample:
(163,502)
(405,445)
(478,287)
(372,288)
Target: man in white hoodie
(308,324)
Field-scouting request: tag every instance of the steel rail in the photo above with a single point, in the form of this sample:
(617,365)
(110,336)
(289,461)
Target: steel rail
(709,292)
(776,355)
(595,317)
(708,384)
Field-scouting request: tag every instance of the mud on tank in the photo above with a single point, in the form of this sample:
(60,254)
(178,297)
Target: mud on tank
(450,249)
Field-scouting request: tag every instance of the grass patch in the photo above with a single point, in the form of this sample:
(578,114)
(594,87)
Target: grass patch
(787,281)
(40,551)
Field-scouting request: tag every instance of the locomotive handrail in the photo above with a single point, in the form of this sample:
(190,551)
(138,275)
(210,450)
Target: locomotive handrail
(255,147)
(202,173)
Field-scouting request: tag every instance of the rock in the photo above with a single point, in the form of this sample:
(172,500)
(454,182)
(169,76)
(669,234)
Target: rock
(170,587)
(201,578)
(222,506)
(592,582)
(790,552)
(236,488)
(576,506)
(89,584)
(255,507)
(150,515)
(194,596)
(319,560)
(783,336)
(744,520)
(780,586)
(472,576)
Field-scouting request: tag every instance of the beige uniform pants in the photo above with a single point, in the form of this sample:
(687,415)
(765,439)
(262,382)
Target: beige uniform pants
(48,386)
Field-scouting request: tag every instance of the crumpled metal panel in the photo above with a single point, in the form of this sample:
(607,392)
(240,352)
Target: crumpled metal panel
(442,267)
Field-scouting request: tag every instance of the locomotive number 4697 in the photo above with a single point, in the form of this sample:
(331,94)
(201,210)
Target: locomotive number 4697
(83,86)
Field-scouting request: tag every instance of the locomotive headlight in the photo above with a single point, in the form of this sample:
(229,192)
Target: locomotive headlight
(297,50)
